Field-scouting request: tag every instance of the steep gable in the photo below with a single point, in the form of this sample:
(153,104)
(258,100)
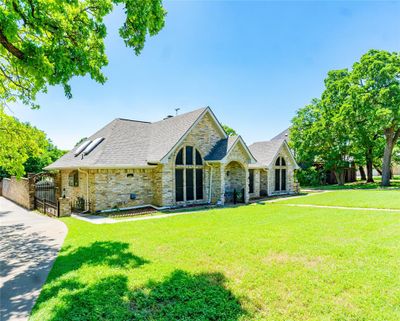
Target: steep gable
(266,152)
(204,133)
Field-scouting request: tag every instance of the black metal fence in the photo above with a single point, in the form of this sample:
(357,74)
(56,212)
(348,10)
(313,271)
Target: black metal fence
(45,197)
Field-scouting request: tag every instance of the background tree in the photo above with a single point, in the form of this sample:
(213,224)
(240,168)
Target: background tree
(320,131)
(376,80)
(48,42)
(36,164)
(23,148)
(229,131)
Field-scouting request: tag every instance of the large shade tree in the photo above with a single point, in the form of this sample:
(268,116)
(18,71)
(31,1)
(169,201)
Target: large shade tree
(376,80)
(47,42)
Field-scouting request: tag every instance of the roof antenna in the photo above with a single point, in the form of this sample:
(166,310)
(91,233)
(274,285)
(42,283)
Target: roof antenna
(177,111)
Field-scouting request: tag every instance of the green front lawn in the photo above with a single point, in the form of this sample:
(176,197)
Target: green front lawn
(256,262)
(351,198)
(359,184)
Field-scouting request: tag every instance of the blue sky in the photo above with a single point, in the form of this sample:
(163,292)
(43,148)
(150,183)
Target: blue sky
(254,63)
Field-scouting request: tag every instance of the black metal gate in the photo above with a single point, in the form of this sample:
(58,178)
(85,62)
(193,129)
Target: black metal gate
(45,196)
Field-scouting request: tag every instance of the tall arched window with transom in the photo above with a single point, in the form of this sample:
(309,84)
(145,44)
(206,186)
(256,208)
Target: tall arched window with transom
(280,174)
(189,171)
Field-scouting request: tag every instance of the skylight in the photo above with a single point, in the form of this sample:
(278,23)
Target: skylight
(92,145)
(82,147)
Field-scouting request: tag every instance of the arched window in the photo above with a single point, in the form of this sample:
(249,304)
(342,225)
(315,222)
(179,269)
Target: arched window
(280,161)
(188,175)
(73,178)
(280,174)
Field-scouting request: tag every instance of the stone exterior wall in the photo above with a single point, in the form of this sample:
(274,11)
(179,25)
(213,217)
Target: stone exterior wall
(73,192)
(109,188)
(263,182)
(113,188)
(235,179)
(20,191)
(64,207)
(256,184)
(203,137)
(239,154)
(290,166)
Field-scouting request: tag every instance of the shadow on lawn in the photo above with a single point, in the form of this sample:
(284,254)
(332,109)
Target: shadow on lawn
(113,254)
(180,296)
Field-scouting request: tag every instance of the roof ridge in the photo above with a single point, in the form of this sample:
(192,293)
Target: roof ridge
(133,120)
(180,115)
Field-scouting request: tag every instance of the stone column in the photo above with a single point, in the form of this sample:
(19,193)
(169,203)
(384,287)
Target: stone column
(64,207)
(222,186)
(246,185)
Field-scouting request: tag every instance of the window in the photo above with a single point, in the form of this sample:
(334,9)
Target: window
(251,181)
(199,183)
(280,174)
(73,179)
(189,184)
(199,160)
(179,184)
(179,158)
(189,155)
(188,175)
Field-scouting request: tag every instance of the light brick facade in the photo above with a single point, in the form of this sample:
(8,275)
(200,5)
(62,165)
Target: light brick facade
(155,184)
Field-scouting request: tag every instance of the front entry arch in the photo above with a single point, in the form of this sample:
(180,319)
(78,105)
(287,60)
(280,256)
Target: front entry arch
(235,182)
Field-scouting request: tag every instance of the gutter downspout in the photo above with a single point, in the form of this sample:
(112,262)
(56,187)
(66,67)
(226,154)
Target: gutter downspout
(87,188)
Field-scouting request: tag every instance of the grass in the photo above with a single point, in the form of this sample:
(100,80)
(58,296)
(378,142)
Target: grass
(386,199)
(256,262)
(394,184)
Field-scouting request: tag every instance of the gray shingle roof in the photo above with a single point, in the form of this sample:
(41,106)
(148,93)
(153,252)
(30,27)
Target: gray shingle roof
(132,143)
(284,135)
(265,152)
(221,148)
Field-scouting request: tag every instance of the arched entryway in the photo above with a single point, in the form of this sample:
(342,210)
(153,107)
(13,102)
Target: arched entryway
(235,182)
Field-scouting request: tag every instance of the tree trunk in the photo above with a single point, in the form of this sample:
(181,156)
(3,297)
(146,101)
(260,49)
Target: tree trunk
(362,173)
(391,138)
(378,170)
(340,177)
(369,161)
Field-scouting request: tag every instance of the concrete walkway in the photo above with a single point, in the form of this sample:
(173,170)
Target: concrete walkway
(97,219)
(29,244)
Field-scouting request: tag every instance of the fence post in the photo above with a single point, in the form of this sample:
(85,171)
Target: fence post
(44,205)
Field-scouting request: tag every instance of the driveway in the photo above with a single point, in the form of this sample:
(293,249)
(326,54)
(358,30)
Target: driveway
(29,244)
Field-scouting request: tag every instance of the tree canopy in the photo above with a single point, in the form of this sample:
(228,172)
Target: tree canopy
(229,131)
(23,148)
(356,119)
(45,42)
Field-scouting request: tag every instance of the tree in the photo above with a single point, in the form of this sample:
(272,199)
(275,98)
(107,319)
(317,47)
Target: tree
(48,42)
(36,164)
(376,79)
(23,148)
(229,131)
(320,131)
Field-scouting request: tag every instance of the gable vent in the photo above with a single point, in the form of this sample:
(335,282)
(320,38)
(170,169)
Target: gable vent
(82,147)
(93,145)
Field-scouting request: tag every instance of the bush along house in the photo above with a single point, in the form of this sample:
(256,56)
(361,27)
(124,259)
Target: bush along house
(179,161)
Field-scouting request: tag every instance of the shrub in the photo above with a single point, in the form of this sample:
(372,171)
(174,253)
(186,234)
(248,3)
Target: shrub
(310,176)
